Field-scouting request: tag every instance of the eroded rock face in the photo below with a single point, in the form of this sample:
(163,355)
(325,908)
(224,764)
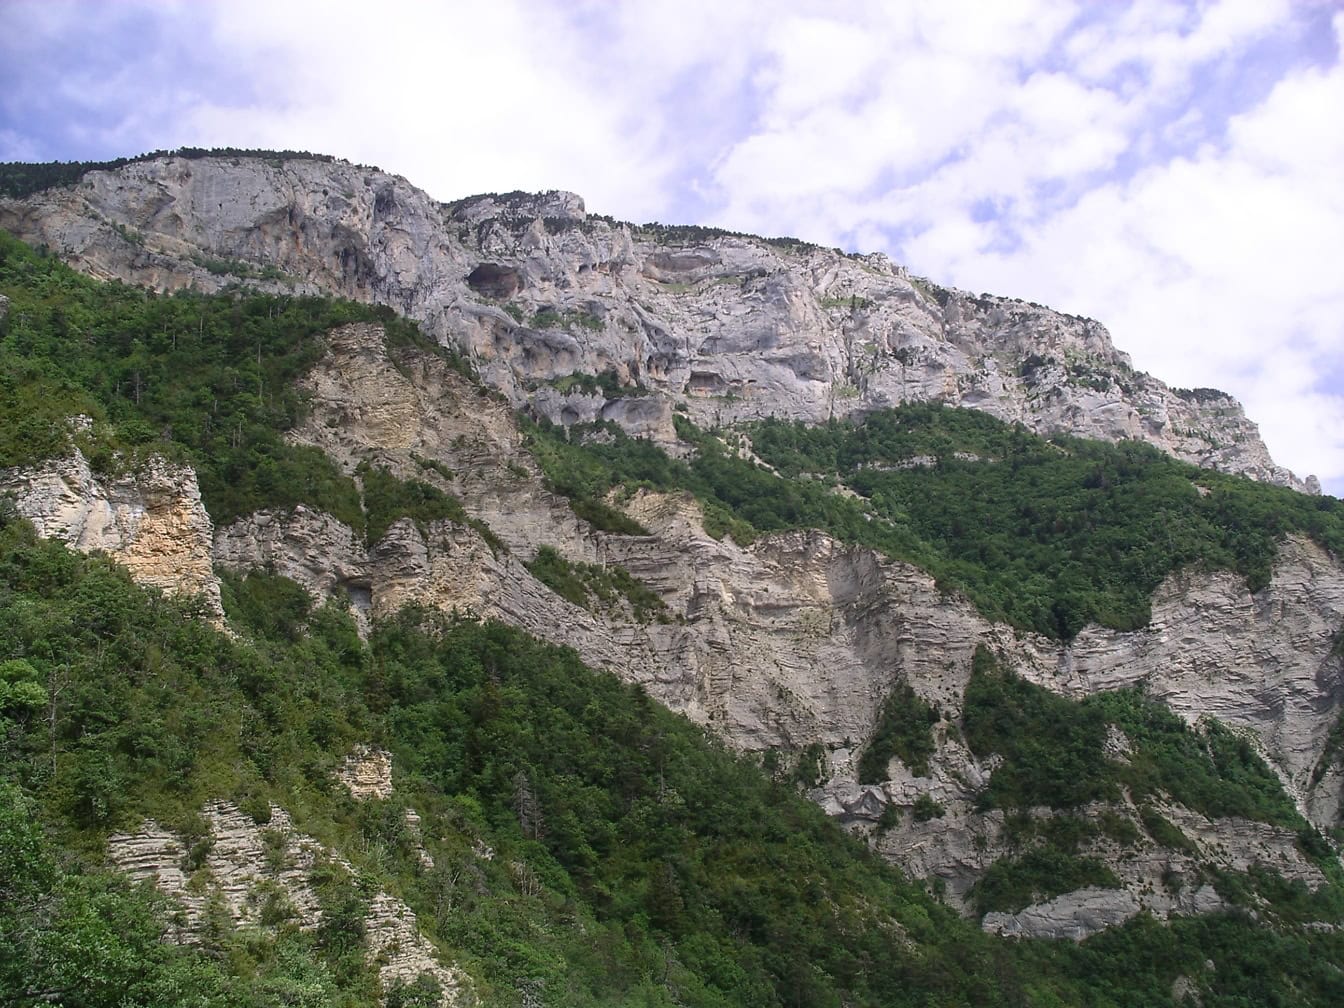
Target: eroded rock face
(151,520)
(535,289)
(259,873)
(367,773)
(795,640)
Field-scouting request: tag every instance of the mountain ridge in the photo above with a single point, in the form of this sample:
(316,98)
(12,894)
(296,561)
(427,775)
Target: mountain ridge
(1059,741)
(534,290)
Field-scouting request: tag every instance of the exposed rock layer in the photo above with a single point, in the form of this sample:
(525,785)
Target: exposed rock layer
(259,873)
(536,289)
(151,520)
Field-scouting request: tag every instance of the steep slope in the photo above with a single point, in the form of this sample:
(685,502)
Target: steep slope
(363,463)
(536,290)
(746,631)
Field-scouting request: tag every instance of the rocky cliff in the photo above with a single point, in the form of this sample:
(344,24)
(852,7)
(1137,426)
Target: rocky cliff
(797,640)
(150,519)
(788,646)
(537,291)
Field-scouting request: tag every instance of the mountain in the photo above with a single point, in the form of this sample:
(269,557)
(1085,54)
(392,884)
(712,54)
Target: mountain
(535,290)
(942,563)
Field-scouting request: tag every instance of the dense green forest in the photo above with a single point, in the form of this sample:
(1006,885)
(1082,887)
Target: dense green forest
(659,868)
(1044,535)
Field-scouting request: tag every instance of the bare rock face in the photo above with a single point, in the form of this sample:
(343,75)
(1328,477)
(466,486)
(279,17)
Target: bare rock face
(257,874)
(367,773)
(1080,914)
(151,520)
(535,289)
(1266,661)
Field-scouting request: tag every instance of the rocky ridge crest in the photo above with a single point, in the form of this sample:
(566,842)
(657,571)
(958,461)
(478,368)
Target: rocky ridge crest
(537,291)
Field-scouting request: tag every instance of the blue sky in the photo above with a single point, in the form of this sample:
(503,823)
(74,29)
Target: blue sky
(1173,169)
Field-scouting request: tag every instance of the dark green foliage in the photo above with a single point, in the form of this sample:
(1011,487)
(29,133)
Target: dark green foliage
(606,384)
(1051,746)
(1164,831)
(239,268)
(659,849)
(904,729)
(926,807)
(596,587)
(387,498)
(265,605)
(1212,770)
(1052,750)
(694,234)
(739,498)
(811,768)
(85,938)
(560,576)
(550,318)
(584,473)
(1038,875)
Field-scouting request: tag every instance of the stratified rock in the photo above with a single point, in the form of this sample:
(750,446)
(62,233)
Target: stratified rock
(150,519)
(367,773)
(535,289)
(247,868)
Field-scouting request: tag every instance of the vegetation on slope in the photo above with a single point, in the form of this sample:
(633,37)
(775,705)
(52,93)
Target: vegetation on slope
(597,587)
(653,865)
(210,380)
(904,730)
(1053,751)
(1044,535)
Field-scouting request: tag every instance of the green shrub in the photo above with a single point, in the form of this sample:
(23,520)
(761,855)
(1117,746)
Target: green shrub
(904,729)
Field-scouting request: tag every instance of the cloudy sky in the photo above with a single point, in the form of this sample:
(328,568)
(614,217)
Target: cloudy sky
(1174,169)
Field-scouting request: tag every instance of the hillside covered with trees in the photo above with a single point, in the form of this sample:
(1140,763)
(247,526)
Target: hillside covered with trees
(633,859)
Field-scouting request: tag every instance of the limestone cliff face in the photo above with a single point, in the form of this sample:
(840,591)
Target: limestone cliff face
(535,289)
(150,519)
(793,641)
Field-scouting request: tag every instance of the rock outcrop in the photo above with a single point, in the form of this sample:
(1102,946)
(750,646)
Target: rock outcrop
(149,519)
(259,875)
(536,290)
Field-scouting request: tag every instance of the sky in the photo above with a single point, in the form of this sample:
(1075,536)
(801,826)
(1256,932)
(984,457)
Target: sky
(1172,169)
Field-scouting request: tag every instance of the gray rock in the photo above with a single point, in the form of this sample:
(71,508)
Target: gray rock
(732,328)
